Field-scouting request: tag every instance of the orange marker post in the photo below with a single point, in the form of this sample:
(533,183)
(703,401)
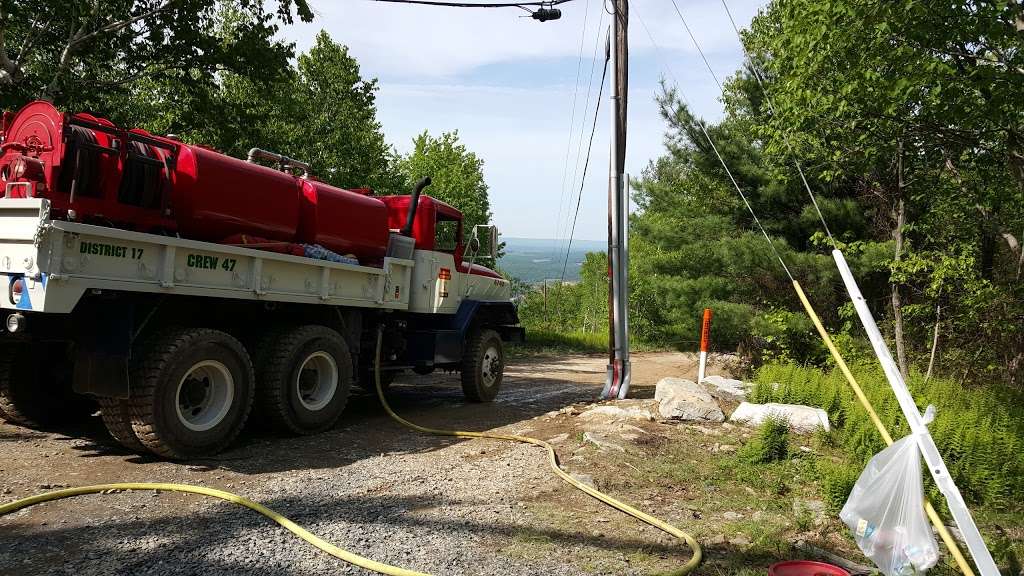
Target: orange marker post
(705,336)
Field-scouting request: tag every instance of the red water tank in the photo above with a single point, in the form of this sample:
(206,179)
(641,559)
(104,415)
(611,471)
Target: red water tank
(215,196)
(136,180)
(344,221)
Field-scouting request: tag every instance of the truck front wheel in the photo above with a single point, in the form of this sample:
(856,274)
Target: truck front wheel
(483,365)
(303,378)
(192,390)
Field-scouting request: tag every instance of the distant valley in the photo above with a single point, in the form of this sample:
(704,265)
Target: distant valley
(534,260)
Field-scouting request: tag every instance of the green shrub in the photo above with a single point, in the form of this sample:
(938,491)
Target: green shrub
(770,444)
(836,482)
(979,431)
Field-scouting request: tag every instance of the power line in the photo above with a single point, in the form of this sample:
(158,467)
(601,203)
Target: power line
(586,106)
(771,110)
(707,136)
(586,164)
(477,5)
(572,126)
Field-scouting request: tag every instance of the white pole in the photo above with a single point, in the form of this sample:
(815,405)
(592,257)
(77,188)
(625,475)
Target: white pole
(930,452)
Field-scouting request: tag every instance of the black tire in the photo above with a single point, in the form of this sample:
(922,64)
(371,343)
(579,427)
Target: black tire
(35,386)
(222,376)
(482,350)
(115,415)
(288,362)
(20,400)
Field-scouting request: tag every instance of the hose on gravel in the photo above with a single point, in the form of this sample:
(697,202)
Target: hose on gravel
(351,557)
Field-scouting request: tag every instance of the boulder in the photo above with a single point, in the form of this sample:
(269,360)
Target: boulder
(645,410)
(802,419)
(726,388)
(680,399)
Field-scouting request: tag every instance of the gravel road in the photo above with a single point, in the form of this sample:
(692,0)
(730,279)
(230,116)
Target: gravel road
(439,505)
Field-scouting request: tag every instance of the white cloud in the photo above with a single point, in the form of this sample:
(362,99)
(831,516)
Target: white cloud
(442,69)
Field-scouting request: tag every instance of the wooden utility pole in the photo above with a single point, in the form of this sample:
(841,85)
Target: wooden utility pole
(618,377)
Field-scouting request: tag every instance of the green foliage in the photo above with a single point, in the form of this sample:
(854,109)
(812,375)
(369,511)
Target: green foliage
(574,341)
(770,444)
(457,175)
(86,54)
(835,482)
(979,431)
(571,308)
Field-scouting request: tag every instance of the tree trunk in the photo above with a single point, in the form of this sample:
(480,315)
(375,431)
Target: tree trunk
(897,305)
(935,343)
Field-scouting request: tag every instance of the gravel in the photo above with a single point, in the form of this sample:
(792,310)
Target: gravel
(436,505)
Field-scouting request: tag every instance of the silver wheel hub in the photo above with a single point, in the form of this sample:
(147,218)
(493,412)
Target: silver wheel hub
(317,381)
(490,368)
(204,395)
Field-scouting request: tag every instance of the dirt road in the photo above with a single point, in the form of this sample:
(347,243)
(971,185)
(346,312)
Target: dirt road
(439,505)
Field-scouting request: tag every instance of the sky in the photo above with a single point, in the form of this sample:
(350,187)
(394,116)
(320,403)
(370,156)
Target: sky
(507,84)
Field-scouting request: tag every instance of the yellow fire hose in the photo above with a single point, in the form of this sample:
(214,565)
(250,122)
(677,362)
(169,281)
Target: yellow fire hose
(343,554)
(940,527)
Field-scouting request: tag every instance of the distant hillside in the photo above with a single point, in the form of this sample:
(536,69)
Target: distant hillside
(537,259)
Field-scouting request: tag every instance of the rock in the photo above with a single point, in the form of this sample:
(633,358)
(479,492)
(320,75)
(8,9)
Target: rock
(602,441)
(569,411)
(726,388)
(558,439)
(732,516)
(716,540)
(644,410)
(680,399)
(740,541)
(726,448)
(802,419)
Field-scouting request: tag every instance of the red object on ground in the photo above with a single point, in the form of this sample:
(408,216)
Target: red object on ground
(805,568)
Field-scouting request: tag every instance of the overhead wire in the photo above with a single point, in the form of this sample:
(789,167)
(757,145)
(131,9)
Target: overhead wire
(572,129)
(477,5)
(586,164)
(583,121)
(711,142)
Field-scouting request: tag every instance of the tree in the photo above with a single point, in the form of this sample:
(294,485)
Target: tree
(76,52)
(457,175)
(322,112)
(912,109)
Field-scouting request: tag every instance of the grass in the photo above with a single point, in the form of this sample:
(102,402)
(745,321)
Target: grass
(566,341)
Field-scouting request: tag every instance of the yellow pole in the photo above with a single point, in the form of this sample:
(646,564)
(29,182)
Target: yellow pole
(958,556)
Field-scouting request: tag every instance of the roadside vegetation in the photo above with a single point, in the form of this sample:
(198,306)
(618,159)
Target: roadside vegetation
(903,117)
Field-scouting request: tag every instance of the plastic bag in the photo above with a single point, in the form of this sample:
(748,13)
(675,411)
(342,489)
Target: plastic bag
(886,512)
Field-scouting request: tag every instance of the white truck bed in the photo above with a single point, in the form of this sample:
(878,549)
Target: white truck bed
(61,260)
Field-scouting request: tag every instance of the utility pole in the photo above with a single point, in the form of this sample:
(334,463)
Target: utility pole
(618,376)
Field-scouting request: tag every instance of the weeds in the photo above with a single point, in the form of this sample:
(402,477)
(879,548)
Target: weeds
(771,443)
(980,431)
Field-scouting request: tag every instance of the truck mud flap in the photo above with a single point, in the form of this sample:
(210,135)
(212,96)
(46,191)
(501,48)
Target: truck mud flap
(102,347)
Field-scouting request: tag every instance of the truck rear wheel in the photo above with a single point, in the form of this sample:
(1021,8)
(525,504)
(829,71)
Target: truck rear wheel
(192,392)
(35,386)
(114,412)
(303,378)
(483,364)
